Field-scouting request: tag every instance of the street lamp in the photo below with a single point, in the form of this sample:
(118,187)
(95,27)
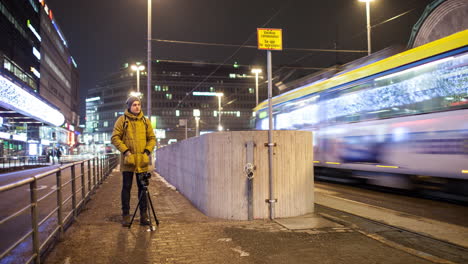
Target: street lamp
(138,68)
(219,95)
(256,71)
(148,79)
(368,25)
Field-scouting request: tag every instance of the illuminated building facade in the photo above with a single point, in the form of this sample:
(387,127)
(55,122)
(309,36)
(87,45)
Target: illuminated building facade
(30,118)
(179,91)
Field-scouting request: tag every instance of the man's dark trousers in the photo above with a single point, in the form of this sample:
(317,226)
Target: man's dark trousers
(126,188)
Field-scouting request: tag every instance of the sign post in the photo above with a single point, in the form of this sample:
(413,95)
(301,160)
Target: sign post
(270,39)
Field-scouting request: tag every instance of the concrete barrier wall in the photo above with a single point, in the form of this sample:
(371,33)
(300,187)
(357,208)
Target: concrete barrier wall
(209,171)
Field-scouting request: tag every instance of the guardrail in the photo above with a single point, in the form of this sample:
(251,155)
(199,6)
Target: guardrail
(8,163)
(97,169)
(21,162)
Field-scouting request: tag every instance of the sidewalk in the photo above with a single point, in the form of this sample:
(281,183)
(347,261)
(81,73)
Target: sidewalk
(185,235)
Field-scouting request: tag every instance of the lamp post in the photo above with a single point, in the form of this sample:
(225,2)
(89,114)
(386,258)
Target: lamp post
(368,25)
(219,95)
(148,86)
(256,71)
(138,68)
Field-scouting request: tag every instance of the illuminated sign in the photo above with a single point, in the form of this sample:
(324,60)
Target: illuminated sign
(36,72)
(270,38)
(36,53)
(28,22)
(5,135)
(207,94)
(20,137)
(59,33)
(160,133)
(16,98)
(73,61)
(93,99)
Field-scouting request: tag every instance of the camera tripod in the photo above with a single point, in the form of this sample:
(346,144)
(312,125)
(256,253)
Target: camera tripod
(145,195)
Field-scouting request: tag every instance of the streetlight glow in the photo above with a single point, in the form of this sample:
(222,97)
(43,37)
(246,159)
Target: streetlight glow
(138,68)
(257,71)
(219,95)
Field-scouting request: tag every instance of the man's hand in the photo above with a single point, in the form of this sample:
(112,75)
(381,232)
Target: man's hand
(127,153)
(147,152)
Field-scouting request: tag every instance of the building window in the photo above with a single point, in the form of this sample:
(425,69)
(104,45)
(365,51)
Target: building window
(177,112)
(169,96)
(157,88)
(212,89)
(106,123)
(251,90)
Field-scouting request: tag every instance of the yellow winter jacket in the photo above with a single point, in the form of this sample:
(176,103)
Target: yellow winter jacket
(133,133)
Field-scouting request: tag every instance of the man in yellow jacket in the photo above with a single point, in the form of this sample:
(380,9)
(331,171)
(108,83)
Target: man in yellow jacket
(133,136)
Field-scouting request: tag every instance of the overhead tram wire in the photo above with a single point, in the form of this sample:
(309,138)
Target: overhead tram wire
(252,47)
(243,65)
(356,35)
(232,55)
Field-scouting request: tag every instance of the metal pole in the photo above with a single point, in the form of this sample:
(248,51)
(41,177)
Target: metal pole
(73,186)
(59,201)
(219,112)
(148,84)
(186,121)
(34,221)
(368,28)
(197,126)
(83,190)
(256,88)
(270,139)
(89,175)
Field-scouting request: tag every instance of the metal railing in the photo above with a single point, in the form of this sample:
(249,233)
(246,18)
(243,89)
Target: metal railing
(21,162)
(9,163)
(97,169)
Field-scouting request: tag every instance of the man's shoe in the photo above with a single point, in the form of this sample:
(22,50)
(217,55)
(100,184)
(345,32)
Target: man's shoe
(144,219)
(126,220)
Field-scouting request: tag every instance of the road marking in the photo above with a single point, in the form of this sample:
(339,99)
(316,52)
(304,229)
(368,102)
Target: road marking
(443,231)
(40,187)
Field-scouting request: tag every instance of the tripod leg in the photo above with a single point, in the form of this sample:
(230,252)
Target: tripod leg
(148,209)
(152,209)
(136,208)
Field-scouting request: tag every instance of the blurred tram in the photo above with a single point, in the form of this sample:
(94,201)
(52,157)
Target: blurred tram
(400,122)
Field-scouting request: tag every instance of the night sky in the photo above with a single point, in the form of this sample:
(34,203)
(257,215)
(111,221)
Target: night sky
(104,34)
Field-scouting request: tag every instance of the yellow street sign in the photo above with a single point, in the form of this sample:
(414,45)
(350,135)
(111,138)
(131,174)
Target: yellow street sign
(270,38)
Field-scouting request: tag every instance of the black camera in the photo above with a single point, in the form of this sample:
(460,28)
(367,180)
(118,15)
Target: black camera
(144,177)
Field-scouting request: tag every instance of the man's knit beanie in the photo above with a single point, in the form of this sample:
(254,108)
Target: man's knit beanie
(131,100)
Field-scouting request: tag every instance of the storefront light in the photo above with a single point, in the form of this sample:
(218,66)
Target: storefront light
(14,97)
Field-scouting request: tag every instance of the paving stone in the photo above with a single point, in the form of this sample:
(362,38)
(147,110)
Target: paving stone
(185,235)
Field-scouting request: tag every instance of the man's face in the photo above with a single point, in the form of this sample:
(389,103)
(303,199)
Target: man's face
(136,107)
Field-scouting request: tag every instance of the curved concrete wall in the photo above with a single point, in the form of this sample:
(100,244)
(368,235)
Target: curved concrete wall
(209,171)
